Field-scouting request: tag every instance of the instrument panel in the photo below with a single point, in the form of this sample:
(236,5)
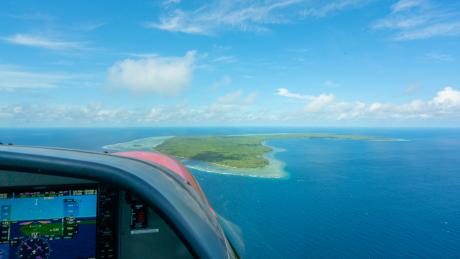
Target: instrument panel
(45,216)
(36,222)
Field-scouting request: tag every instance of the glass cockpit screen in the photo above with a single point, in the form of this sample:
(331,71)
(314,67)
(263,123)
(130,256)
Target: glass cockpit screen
(48,223)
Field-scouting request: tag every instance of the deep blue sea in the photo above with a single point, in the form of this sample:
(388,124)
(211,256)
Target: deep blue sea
(342,199)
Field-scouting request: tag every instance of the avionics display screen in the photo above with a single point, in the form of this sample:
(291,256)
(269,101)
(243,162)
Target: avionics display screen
(48,223)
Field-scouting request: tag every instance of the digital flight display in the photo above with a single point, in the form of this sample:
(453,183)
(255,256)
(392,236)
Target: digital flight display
(48,223)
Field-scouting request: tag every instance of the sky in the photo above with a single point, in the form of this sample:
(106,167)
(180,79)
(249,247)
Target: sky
(337,63)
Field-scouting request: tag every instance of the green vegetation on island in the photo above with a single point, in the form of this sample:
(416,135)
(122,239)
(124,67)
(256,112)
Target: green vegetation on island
(241,152)
(231,151)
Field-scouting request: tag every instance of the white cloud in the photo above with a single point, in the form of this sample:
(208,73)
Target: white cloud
(14,78)
(331,7)
(318,103)
(232,107)
(239,108)
(444,106)
(251,15)
(229,99)
(178,22)
(42,42)
(286,93)
(375,107)
(434,30)
(43,114)
(161,75)
(403,5)
(401,22)
(315,103)
(448,97)
(418,19)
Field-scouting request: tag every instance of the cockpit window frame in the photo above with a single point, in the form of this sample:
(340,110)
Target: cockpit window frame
(162,190)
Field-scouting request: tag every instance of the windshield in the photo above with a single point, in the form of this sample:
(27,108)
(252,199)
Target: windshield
(316,129)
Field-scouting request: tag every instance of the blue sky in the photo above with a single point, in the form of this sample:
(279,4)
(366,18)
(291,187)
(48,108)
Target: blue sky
(231,63)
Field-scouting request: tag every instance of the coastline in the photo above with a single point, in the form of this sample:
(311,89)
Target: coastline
(274,169)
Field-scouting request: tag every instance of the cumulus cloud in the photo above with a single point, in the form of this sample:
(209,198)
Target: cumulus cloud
(318,103)
(43,114)
(315,103)
(284,92)
(240,108)
(232,107)
(445,104)
(448,97)
(42,42)
(161,75)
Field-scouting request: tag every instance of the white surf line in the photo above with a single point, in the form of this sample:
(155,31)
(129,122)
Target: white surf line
(274,169)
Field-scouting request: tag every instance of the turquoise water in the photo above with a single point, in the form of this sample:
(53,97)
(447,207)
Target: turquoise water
(342,199)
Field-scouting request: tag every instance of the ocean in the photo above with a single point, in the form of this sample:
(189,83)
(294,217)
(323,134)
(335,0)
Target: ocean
(341,199)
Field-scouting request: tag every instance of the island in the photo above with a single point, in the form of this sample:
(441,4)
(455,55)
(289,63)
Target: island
(247,155)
